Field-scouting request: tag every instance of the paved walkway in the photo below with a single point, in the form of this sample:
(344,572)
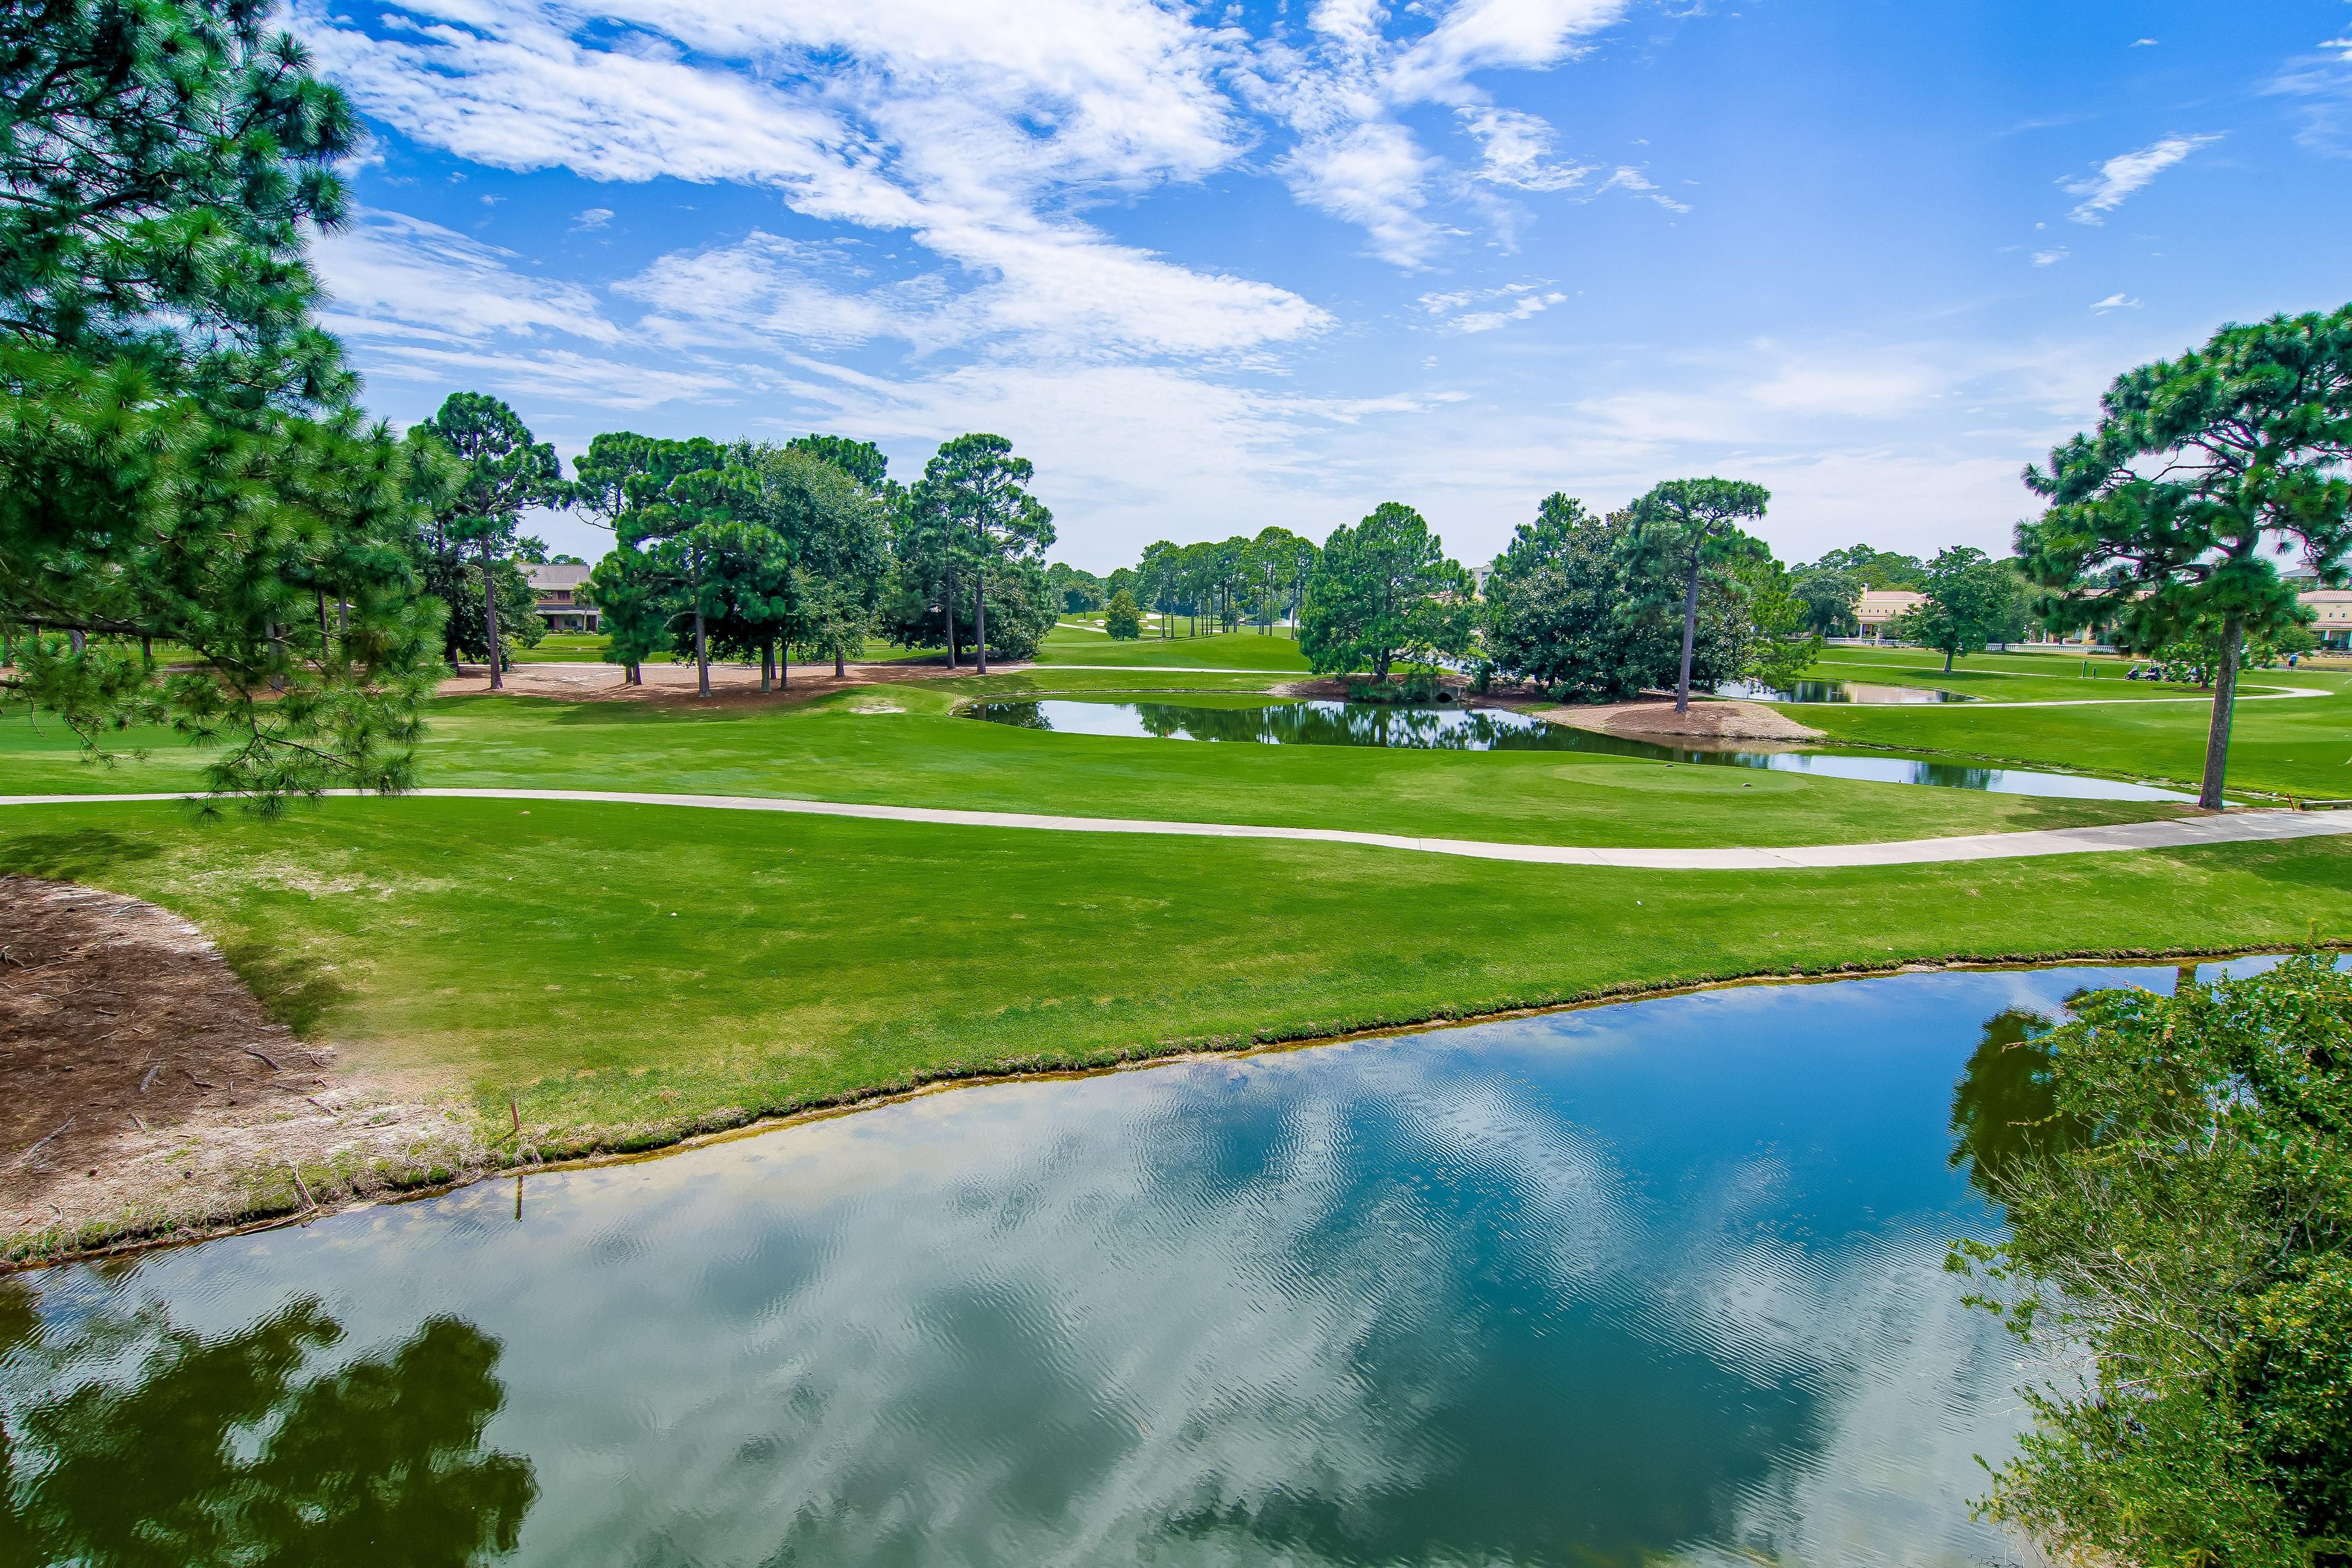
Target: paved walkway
(2176,833)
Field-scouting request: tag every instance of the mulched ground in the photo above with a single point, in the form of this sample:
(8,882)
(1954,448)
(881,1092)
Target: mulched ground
(732,685)
(142,1088)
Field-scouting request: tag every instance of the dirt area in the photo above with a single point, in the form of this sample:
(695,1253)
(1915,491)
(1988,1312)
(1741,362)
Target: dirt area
(144,1091)
(732,685)
(1715,720)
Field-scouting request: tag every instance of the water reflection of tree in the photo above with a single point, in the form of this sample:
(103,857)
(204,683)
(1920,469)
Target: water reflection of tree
(219,1450)
(2005,1109)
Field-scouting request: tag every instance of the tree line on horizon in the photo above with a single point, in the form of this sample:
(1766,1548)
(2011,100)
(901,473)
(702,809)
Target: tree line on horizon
(743,550)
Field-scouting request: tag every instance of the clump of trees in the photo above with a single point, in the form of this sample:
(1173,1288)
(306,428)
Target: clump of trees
(1384,593)
(2177,1174)
(1223,584)
(1670,591)
(1973,600)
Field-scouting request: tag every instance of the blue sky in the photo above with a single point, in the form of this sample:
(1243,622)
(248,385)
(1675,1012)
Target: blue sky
(1217,266)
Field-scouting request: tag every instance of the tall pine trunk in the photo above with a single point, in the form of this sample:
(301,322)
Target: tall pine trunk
(2225,703)
(1690,631)
(947,603)
(701,656)
(980,620)
(767,664)
(490,613)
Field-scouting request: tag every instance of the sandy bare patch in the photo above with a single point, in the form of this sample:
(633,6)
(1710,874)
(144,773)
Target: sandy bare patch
(1714,719)
(732,685)
(142,1089)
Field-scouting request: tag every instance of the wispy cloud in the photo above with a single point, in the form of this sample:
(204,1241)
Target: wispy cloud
(592,218)
(1519,151)
(390,277)
(2116,301)
(1497,307)
(2126,172)
(2049,258)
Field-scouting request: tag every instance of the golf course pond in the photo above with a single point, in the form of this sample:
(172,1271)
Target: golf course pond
(1308,723)
(1654,1282)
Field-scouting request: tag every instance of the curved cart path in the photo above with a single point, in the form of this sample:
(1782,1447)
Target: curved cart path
(2173,833)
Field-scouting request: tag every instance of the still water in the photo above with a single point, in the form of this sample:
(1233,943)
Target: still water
(1657,1282)
(1324,724)
(1861,691)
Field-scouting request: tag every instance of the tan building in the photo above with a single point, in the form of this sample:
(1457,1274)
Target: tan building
(562,598)
(2333,608)
(1879,605)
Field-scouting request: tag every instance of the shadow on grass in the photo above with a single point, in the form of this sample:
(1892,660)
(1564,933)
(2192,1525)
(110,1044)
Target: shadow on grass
(290,988)
(74,857)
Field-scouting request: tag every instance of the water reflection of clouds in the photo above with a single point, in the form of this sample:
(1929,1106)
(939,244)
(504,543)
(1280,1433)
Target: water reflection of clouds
(1592,1278)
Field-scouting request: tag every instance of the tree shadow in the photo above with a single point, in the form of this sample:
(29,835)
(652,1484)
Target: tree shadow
(76,855)
(219,1450)
(2005,1106)
(292,989)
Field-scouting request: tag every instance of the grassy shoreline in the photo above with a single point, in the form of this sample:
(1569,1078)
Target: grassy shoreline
(280,1204)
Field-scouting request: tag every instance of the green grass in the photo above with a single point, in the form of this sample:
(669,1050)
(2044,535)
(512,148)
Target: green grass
(2300,747)
(620,967)
(1275,654)
(928,755)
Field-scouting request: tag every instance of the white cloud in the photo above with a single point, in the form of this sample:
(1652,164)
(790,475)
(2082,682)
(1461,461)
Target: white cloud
(2049,258)
(388,275)
(592,218)
(1512,303)
(2126,172)
(1473,34)
(1634,179)
(1519,151)
(1371,175)
(2136,43)
(2116,302)
(560,374)
(2323,83)
(1045,290)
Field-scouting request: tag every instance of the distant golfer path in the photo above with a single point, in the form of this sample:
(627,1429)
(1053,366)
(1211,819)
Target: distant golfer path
(2176,833)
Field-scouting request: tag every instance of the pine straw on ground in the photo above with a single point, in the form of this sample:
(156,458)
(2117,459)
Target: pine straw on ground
(1714,719)
(144,1091)
(732,685)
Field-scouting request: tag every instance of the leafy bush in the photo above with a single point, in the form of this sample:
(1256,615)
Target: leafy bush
(2182,1231)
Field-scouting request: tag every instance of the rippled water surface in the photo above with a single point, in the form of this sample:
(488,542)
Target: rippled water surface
(1321,723)
(1659,1282)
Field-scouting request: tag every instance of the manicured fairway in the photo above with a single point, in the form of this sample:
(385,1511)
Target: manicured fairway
(639,966)
(2298,746)
(836,749)
(1276,652)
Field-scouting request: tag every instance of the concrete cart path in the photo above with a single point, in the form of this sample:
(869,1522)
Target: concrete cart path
(2174,833)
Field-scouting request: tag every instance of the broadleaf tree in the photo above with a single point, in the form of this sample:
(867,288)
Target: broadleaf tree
(1381,592)
(1971,600)
(2201,471)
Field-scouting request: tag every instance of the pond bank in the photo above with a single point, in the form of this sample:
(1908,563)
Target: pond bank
(312,1168)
